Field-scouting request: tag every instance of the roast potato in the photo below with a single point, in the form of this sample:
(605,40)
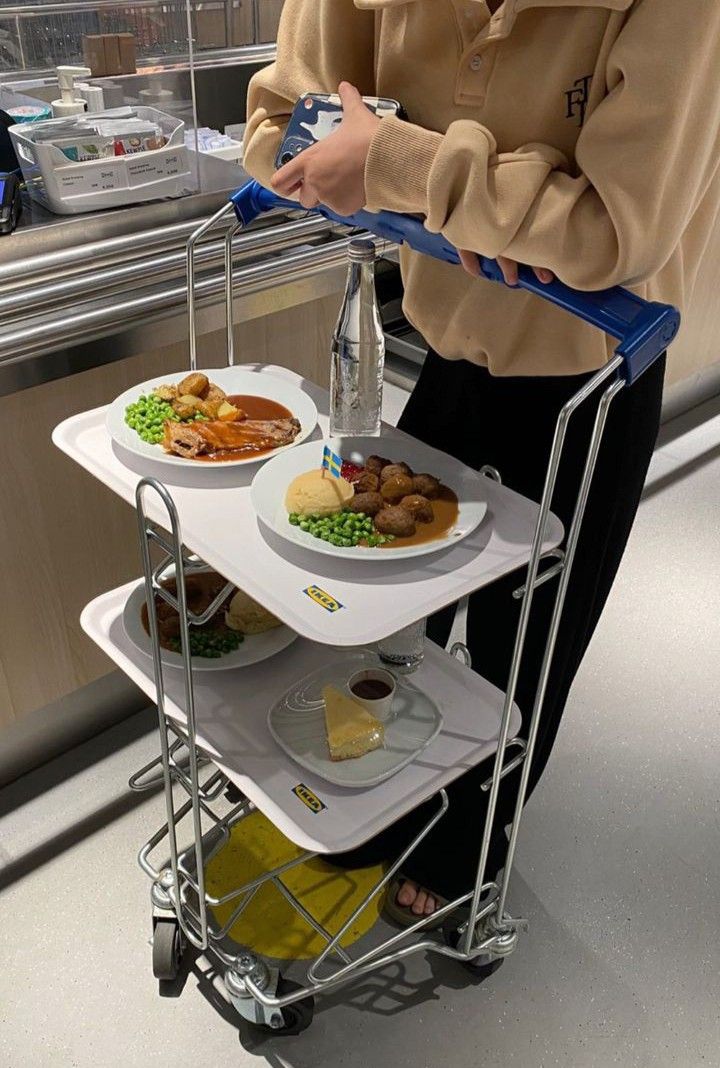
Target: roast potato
(196,384)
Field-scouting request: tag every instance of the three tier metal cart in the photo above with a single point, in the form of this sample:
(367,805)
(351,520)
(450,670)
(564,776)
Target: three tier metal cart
(218,761)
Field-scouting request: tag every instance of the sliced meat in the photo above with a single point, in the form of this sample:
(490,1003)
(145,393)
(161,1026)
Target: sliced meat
(183,440)
(251,435)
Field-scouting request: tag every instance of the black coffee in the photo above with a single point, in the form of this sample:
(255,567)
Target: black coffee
(371,689)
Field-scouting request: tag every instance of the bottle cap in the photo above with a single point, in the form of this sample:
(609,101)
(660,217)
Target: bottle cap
(361,250)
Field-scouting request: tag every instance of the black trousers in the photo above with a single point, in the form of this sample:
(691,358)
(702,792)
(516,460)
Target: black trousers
(509,423)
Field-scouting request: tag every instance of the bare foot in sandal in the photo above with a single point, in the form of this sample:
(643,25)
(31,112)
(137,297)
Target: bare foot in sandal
(420,901)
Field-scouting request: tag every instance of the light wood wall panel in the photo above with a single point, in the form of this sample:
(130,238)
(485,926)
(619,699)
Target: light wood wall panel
(64,538)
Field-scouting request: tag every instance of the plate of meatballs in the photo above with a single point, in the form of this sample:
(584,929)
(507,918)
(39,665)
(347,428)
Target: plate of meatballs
(395,498)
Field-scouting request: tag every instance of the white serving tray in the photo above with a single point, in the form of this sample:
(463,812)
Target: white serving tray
(336,602)
(232,711)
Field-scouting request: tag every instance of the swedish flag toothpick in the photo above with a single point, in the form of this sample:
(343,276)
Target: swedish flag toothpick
(332,462)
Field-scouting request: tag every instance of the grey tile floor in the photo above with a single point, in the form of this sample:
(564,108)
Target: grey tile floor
(618,868)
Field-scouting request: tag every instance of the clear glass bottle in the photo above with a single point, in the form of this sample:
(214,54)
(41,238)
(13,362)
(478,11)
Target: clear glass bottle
(358,351)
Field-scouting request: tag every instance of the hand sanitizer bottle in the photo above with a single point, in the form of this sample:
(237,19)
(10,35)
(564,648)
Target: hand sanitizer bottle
(69,103)
(358,351)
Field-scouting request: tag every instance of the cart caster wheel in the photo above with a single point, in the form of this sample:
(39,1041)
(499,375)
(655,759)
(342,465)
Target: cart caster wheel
(480,971)
(296,1017)
(167,949)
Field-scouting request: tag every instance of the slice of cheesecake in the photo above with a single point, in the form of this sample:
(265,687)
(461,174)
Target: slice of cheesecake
(351,730)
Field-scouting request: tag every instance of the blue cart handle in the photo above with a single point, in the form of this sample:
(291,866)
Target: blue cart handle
(644,328)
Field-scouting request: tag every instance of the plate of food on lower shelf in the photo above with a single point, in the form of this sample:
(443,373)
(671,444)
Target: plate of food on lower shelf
(328,722)
(385,498)
(227,416)
(240,633)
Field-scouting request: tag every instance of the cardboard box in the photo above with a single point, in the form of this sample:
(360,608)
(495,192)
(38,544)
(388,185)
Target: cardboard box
(111,46)
(128,56)
(210,28)
(270,12)
(94,54)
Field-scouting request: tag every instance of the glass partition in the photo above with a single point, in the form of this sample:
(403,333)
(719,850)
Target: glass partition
(189,59)
(37,36)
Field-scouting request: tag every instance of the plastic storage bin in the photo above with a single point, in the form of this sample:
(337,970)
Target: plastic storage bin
(68,188)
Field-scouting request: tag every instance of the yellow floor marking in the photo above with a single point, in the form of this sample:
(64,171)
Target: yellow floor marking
(270,925)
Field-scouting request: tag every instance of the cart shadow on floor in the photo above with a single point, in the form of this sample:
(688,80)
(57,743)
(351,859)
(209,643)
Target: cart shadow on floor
(682,471)
(385,1000)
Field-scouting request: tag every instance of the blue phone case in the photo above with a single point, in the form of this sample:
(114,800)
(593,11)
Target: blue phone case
(316,115)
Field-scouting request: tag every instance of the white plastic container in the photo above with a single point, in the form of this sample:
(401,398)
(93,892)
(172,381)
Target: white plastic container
(68,188)
(231,149)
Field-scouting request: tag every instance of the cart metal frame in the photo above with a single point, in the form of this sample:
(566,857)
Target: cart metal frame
(182,906)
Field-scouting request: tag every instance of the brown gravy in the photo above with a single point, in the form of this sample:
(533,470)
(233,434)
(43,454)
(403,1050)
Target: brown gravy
(445,508)
(254,408)
(259,407)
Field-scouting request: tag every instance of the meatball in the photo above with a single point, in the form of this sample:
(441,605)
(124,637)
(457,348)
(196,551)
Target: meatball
(376,464)
(427,486)
(369,503)
(395,488)
(395,520)
(368,482)
(393,470)
(418,507)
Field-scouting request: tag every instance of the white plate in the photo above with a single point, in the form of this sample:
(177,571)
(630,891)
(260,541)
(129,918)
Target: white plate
(231,380)
(256,647)
(270,485)
(297,723)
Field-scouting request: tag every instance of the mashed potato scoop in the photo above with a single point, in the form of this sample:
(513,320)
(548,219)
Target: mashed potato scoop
(247,616)
(318,493)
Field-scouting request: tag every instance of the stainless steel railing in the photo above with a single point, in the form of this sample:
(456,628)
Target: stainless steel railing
(54,280)
(29,338)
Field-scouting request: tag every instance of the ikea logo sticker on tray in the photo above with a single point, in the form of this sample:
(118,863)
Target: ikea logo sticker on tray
(323,599)
(308,798)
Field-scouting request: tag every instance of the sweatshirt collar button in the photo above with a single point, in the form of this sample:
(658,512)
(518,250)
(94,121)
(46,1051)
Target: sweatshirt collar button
(476,63)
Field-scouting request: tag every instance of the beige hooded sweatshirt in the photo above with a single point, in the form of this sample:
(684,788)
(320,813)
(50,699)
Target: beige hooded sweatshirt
(578,135)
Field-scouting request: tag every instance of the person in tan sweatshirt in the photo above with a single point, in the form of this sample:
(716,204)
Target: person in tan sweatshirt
(581,137)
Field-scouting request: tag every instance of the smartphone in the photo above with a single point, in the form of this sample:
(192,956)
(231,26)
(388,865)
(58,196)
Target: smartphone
(318,114)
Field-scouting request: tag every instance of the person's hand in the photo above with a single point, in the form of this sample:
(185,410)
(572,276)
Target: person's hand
(509,268)
(332,172)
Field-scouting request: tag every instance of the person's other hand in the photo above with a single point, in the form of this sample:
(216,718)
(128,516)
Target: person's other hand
(332,172)
(509,268)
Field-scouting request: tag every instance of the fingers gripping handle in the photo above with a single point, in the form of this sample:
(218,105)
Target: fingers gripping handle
(643,328)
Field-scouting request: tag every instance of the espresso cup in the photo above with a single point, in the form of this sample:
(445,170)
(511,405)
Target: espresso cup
(374,689)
